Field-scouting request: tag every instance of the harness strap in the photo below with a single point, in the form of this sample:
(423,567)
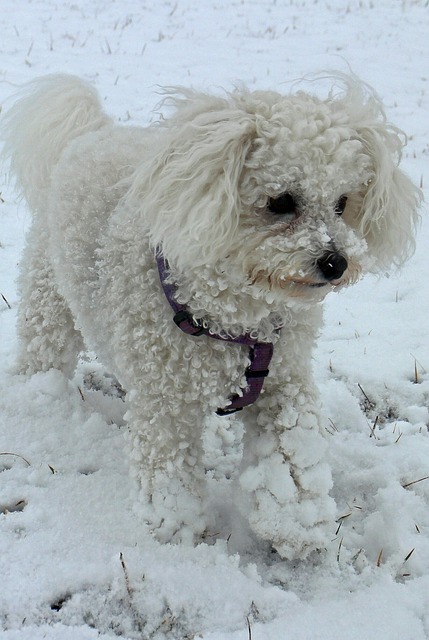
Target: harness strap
(260,353)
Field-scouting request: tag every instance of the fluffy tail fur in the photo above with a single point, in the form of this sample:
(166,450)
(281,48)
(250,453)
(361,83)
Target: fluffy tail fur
(48,115)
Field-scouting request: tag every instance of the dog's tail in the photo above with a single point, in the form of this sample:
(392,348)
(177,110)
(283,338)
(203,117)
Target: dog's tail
(49,113)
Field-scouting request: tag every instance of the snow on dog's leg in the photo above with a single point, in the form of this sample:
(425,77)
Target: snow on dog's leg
(285,478)
(48,338)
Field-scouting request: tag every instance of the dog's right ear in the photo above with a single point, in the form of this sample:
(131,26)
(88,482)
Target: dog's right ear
(187,192)
(389,214)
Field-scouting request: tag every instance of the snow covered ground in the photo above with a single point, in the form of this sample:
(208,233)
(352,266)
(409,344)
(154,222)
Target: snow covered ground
(74,563)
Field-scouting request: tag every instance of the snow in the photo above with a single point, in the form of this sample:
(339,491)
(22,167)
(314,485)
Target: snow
(74,562)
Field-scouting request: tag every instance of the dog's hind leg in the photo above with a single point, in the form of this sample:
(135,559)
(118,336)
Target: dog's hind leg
(46,331)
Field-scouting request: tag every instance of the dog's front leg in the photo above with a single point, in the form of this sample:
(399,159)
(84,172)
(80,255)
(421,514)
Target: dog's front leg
(166,462)
(285,479)
(175,384)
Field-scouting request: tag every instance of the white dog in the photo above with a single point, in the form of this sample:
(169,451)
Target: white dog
(230,220)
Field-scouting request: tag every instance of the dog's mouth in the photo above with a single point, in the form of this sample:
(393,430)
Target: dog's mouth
(296,285)
(305,282)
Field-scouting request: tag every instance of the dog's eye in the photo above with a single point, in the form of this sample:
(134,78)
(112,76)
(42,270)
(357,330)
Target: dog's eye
(341,205)
(282,205)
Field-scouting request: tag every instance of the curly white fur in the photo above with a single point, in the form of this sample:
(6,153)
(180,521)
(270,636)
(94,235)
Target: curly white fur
(205,185)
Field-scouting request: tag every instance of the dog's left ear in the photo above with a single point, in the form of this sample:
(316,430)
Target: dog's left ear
(389,212)
(187,193)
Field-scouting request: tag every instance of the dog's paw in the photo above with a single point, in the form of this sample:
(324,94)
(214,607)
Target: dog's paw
(173,513)
(289,507)
(294,530)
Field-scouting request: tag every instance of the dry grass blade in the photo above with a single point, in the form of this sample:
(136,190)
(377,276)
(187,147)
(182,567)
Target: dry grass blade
(127,578)
(346,515)
(340,521)
(408,556)
(333,425)
(422,368)
(405,486)
(16,455)
(339,549)
(356,556)
(365,396)
(379,558)
(7,303)
(372,435)
(249,628)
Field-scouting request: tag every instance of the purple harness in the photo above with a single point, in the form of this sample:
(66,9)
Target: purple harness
(260,353)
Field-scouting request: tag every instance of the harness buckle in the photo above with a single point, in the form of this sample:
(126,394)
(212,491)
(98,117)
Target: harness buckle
(193,327)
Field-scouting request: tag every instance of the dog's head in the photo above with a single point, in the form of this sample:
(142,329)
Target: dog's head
(292,194)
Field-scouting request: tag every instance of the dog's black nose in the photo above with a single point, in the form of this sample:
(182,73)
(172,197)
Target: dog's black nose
(332,265)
